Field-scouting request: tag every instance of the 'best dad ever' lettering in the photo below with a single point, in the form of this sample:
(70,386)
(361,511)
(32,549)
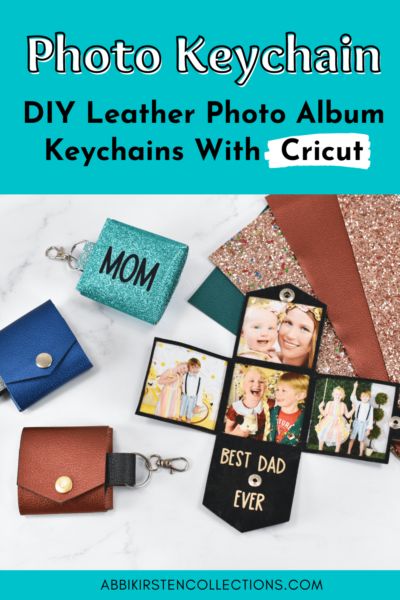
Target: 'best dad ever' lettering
(128,268)
(239,458)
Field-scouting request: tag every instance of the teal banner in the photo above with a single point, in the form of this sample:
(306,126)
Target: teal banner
(205,98)
(45,585)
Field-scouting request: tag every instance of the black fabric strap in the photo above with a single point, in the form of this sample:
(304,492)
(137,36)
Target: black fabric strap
(121,469)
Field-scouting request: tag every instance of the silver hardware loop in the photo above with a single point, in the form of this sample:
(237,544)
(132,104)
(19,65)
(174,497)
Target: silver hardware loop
(150,470)
(62,255)
(395,422)
(157,467)
(161,463)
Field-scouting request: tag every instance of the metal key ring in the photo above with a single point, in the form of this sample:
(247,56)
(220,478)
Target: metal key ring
(158,462)
(148,467)
(73,258)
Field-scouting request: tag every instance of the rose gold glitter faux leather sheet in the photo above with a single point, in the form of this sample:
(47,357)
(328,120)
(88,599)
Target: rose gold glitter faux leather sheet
(373,226)
(259,256)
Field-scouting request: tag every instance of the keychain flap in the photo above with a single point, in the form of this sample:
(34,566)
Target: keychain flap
(251,484)
(77,454)
(43,330)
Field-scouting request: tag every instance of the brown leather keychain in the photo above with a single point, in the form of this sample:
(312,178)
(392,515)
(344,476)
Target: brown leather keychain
(73,470)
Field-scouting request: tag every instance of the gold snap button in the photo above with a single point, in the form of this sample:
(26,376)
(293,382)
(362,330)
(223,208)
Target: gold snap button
(44,360)
(63,485)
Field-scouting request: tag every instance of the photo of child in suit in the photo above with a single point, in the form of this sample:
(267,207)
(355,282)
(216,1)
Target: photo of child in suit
(332,428)
(183,385)
(191,388)
(364,418)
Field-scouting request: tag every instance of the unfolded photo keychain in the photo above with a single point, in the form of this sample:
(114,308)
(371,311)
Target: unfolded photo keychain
(267,405)
(129,269)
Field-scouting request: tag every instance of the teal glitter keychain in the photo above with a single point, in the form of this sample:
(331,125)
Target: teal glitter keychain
(128,269)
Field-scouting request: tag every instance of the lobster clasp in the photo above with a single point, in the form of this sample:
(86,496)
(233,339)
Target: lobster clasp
(167,463)
(60,254)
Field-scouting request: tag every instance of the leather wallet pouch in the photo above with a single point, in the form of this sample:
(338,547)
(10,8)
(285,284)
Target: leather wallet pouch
(70,470)
(63,470)
(38,354)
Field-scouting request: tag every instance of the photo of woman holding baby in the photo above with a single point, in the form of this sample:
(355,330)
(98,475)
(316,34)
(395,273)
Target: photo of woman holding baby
(280,332)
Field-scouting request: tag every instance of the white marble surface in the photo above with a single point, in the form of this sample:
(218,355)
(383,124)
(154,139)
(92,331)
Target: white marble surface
(345,514)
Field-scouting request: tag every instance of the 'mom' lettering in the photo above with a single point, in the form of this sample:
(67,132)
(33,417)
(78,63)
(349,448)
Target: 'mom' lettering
(120,265)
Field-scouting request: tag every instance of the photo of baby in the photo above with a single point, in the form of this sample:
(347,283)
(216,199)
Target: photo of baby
(183,385)
(280,332)
(266,404)
(351,418)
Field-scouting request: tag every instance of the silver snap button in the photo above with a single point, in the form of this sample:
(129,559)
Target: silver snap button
(395,422)
(44,360)
(286,295)
(255,480)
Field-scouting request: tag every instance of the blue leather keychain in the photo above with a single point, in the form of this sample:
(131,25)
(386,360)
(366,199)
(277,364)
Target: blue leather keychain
(38,354)
(128,269)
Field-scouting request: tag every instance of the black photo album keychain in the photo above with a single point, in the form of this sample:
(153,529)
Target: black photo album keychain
(267,405)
